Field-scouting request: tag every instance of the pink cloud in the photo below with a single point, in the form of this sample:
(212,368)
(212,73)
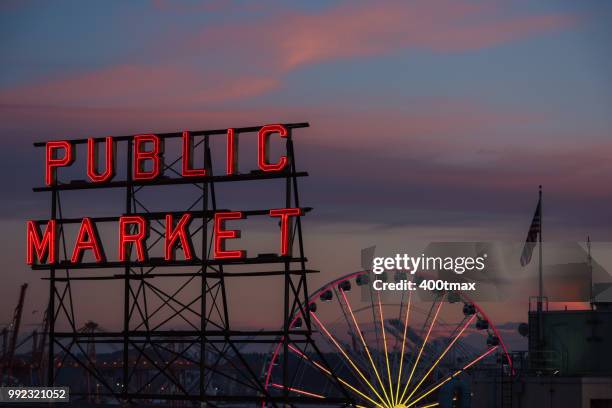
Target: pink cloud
(56,122)
(140,85)
(251,58)
(362,29)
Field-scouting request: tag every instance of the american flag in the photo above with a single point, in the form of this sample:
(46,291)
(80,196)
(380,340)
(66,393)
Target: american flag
(532,235)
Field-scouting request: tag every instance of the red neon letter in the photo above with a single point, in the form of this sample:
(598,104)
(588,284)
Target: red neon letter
(44,247)
(53,160)
(87,239)
(263,148)
(222,234)
(139,237)
(284,214)
(93,165)
(188,170)
(140,157)
(232,152)
(180,233)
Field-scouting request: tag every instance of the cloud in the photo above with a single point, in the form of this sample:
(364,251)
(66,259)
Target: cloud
(191,7)
(235,61)
(129,85)
(365,29)
(416,169)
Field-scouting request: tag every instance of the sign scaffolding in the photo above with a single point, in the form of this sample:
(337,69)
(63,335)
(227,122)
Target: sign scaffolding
(191,287)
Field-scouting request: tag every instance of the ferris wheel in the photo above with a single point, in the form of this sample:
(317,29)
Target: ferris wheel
(386,350)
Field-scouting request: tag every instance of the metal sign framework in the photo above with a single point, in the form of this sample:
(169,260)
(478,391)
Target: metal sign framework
(150,351)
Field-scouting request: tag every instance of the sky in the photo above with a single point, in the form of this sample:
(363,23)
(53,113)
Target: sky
(430,120)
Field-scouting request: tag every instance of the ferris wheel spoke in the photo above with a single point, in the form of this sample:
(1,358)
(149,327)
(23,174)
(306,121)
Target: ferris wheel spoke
(450,345)
(347,357)
(450,377)
(346,362)
(382,326)
(397,356)
(365,346)
(416,362)
(329,373)
(399,315)
(349,325)
(401,360)
(374,321)
(297,391)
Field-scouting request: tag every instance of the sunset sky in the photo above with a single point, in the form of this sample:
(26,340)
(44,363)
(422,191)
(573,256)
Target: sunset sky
(430,120)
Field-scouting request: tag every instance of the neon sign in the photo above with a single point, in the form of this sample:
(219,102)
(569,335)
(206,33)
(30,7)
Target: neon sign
(146,165)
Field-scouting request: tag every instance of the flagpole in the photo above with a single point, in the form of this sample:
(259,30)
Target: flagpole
(590,272)
(541,283)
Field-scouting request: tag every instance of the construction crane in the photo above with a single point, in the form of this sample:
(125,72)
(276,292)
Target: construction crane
(9,351)
(39,342)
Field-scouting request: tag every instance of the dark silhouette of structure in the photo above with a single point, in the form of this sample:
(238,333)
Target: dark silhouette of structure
(155,295)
